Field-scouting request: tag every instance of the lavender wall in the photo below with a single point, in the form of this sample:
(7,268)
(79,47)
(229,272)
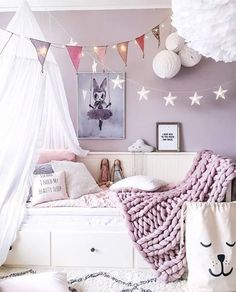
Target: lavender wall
(210,126)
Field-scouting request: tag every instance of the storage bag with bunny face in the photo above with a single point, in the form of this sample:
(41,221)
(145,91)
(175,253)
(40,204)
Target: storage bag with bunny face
(211,247)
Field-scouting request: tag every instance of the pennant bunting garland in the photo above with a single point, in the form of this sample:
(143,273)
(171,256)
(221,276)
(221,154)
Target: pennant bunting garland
(75,55)
(140,42)
(156,33)
(42,48)
(75,50)
(123,51)
(100,52)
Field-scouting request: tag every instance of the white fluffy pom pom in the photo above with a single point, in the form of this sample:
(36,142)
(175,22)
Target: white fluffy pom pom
(166,64)
(208,26)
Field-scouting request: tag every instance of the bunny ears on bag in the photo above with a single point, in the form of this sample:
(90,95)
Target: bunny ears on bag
(167,63)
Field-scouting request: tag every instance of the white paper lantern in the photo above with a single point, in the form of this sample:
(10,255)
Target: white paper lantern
(174,42)
(166,64)
(189,57)
(208,26)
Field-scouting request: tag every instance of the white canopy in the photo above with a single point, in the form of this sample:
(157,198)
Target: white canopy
(33,114)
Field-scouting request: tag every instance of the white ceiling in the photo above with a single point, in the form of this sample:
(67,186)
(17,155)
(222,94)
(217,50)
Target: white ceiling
(54,5)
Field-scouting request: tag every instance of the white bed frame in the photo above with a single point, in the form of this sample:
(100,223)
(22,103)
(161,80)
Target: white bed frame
(170,167)
(96,237)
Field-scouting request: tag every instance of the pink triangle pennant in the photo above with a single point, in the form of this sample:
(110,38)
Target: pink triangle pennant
(42,48)
(156,33)
(140,42)
(75,55)
(100,52)
(123,51)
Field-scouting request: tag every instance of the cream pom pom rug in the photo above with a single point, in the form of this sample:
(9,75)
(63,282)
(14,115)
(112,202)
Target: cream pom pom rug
(107,280)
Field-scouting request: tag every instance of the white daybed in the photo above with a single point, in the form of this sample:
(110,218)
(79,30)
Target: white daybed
(91,237)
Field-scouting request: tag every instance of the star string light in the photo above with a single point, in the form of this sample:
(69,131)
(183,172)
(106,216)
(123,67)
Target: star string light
(94,66)
(220,93)
(195,99)
(117,82)
(143,94)
(72,43)
(169,99)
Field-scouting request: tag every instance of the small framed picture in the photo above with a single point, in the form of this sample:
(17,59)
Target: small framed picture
(101,105)
(168,137)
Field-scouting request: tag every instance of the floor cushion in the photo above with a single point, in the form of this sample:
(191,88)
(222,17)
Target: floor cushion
(42,282)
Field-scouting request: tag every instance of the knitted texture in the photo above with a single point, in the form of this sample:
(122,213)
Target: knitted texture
(153,218)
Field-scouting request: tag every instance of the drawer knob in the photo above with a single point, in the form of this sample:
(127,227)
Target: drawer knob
(92,249)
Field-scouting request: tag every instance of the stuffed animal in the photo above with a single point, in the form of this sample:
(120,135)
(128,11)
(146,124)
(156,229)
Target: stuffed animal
(117,171)
(104,177)
(140,146)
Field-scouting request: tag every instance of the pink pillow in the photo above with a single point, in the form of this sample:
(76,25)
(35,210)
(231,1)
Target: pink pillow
(47,155)
(43,282)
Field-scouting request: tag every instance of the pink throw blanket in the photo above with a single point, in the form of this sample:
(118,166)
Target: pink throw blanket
(153,219)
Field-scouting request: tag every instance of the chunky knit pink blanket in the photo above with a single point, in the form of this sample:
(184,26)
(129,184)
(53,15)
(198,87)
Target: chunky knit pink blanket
(153,218)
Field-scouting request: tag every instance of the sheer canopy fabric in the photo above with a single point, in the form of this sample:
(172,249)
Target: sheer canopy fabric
(33,114)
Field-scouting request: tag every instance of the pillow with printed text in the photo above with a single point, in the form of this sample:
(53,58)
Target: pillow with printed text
(49,187)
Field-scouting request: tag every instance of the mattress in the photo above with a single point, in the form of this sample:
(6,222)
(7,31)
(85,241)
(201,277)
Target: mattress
(73,218)
(102,199)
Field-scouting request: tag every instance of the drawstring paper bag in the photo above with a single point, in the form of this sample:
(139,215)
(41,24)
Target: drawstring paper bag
(211,247)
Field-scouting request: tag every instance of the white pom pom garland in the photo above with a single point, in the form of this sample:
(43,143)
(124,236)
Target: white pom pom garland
(166,64)
(189,57)
(174,42)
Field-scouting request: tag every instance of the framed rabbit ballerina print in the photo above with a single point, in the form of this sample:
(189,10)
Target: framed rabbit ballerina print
(101,105)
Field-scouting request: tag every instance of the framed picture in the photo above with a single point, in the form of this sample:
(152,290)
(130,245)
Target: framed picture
(101,105)
(168,136)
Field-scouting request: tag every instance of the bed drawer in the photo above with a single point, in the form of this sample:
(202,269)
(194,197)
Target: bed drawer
(30,248)
(91,249)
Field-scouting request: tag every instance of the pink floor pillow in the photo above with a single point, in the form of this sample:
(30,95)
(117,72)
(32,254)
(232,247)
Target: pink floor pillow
(42,282)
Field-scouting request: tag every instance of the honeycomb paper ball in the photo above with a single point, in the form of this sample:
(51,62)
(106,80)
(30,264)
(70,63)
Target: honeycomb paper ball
(189,57)
(166,64)
(208,26)
(174,42)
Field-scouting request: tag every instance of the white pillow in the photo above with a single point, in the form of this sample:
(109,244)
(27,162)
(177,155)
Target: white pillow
(79,181)
(43,282)
(141,182)
(48,187)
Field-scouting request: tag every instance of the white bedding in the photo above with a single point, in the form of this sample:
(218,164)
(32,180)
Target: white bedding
(67,211)
(103,199)
(72,219)
(91,211)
